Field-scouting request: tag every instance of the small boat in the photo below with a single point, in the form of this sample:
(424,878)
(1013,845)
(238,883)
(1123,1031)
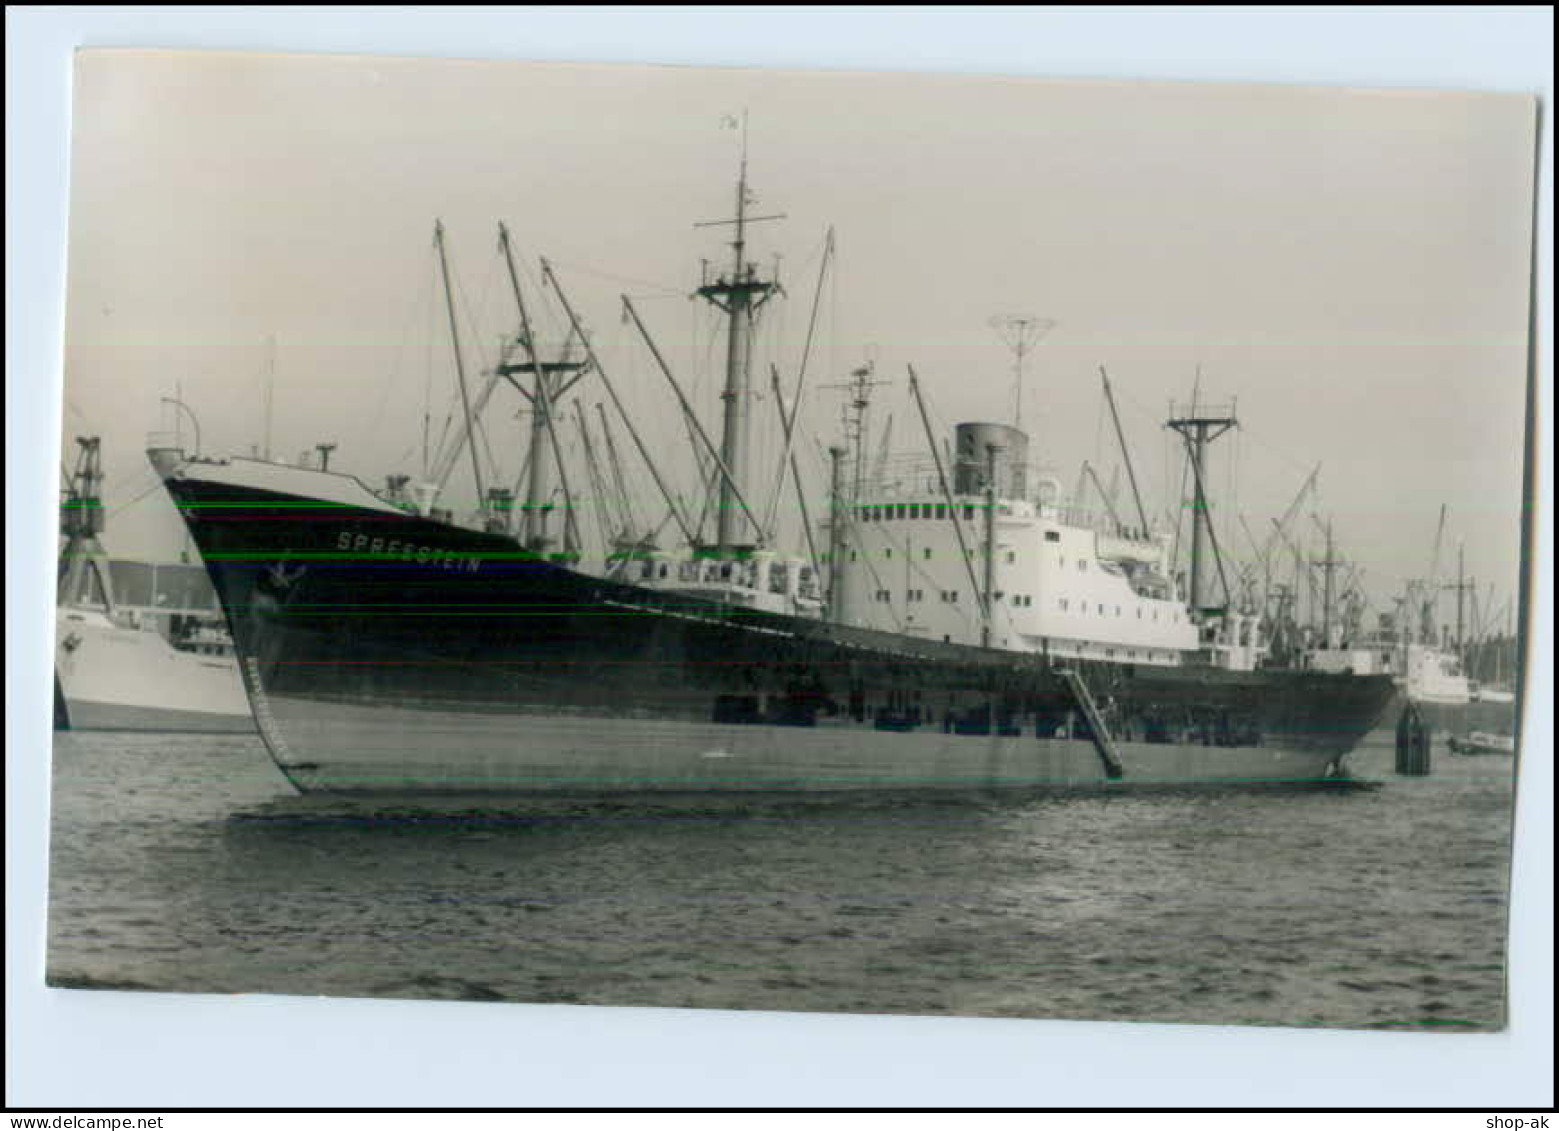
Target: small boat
(1498,695)
(1482,742)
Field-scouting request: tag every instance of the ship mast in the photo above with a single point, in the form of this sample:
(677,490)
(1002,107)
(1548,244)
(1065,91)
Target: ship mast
(1120,436)
(1461,587)
(460,369)
(1198,428)
(270,392)
(1328,567)
(550,380)
(856,415)
(740,295)
(991,451)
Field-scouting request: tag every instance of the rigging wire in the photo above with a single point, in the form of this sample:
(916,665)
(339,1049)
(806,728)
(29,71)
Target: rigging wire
(476,429)
(665,290)
(427,374)
(151,487)
(387,384)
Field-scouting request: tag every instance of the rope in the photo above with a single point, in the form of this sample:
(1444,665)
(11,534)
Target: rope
(123,506)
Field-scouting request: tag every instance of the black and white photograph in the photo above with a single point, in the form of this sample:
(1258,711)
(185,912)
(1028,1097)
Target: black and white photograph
(828,542)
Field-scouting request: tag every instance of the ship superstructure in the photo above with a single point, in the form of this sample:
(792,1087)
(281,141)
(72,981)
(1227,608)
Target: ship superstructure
(1058,585)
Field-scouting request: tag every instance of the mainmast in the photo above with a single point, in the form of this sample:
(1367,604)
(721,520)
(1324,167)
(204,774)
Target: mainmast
(741,294)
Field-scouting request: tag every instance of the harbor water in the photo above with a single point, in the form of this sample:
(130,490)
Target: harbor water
(186,863)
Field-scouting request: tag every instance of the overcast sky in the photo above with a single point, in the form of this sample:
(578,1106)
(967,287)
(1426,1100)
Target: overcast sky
(1352,266)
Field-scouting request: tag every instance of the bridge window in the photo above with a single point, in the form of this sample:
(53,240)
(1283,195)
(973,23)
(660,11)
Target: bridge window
(852,555)
(1052,536)
(898,510)
(888,553)
(1011,557)
(941,510)
(914,510)
(1101,610)
(926,553)
(968,512)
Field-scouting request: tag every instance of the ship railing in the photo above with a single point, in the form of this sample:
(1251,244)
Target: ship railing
(916,477)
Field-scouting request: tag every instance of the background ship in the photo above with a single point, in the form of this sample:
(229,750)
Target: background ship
(385,646)
(138,645)
(1440,662)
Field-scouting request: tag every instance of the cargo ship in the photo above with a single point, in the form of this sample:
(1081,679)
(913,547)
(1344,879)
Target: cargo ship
(953,626)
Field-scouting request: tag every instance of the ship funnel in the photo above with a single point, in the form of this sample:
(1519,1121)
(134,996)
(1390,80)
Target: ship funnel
(1012,453)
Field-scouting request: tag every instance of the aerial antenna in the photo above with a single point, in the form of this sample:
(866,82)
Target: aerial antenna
(1020,333)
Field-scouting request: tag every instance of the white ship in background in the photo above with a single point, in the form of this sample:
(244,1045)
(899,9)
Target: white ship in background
(138,646)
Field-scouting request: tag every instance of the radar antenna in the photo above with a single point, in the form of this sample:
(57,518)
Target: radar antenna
(1020,333)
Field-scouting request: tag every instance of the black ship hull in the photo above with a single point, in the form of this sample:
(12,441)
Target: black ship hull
(386,652)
